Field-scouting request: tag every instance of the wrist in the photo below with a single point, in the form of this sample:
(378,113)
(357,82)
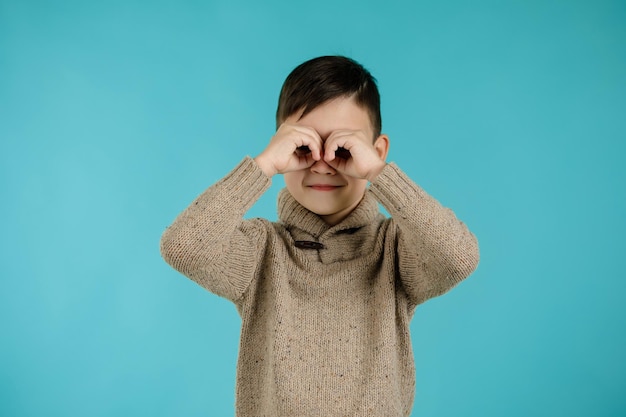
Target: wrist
(376,171)
(267,168)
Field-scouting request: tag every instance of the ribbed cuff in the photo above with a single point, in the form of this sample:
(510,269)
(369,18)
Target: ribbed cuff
(246,182)
(395,190)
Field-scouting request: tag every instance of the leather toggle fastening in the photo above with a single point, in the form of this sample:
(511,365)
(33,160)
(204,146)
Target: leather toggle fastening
(307,244)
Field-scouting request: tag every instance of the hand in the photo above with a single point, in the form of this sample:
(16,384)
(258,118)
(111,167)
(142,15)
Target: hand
(351,152)
(292,148)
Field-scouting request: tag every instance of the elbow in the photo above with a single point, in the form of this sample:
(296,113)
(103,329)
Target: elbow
(175,252)
(466,261)
(187,253)
(167,248)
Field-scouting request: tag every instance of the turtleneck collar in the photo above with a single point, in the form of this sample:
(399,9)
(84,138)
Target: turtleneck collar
(350,238)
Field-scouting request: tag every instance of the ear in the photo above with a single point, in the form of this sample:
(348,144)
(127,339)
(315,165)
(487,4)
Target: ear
(381,144)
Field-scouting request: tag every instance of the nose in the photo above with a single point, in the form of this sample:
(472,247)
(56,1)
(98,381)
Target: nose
(321,167)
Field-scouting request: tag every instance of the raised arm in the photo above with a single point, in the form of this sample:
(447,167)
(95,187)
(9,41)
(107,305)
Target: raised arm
(211,243)
(435,250)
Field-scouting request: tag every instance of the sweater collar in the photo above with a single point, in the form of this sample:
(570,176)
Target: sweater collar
(293,215)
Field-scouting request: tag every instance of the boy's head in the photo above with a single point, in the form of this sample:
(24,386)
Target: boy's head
(325,78)
(332,94)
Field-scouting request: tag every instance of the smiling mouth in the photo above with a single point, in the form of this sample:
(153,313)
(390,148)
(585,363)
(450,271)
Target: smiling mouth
(324,187)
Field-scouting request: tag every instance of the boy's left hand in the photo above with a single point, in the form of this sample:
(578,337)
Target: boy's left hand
(351,152)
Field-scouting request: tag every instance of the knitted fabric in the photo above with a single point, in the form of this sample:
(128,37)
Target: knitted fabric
(325,326)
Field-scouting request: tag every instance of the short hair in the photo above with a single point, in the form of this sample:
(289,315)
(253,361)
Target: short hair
(325,78)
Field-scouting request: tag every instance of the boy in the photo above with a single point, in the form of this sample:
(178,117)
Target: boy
(325,294)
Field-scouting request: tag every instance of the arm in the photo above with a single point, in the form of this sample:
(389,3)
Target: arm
(435,250)
(210,242)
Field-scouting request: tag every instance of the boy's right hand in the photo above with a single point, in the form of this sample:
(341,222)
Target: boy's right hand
(292,148)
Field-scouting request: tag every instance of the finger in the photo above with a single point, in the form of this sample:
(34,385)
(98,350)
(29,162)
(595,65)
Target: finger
(337,145)
(310,139)
(330,147)
(316,147)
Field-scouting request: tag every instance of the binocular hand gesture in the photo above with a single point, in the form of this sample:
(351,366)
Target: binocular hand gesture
(349,152)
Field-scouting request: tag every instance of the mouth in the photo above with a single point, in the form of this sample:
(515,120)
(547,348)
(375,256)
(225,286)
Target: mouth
(324,187)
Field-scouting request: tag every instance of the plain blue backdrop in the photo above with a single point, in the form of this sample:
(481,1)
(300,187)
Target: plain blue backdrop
(114,115)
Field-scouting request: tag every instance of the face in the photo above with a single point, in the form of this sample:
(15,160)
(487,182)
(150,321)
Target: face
(320,188)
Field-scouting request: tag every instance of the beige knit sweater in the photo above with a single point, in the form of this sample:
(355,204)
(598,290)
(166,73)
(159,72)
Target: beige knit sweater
(325,330)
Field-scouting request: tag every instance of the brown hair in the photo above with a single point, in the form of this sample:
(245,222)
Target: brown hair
(321,79)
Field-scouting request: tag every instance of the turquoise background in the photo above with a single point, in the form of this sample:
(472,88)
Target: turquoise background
(114,115)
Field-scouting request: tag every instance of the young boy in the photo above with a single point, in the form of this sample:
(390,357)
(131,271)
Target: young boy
(325,294)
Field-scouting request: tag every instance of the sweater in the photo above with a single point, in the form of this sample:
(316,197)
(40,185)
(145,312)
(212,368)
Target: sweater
(325,310)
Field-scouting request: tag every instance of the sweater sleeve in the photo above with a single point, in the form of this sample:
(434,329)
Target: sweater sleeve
(210,242)
(435,251)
